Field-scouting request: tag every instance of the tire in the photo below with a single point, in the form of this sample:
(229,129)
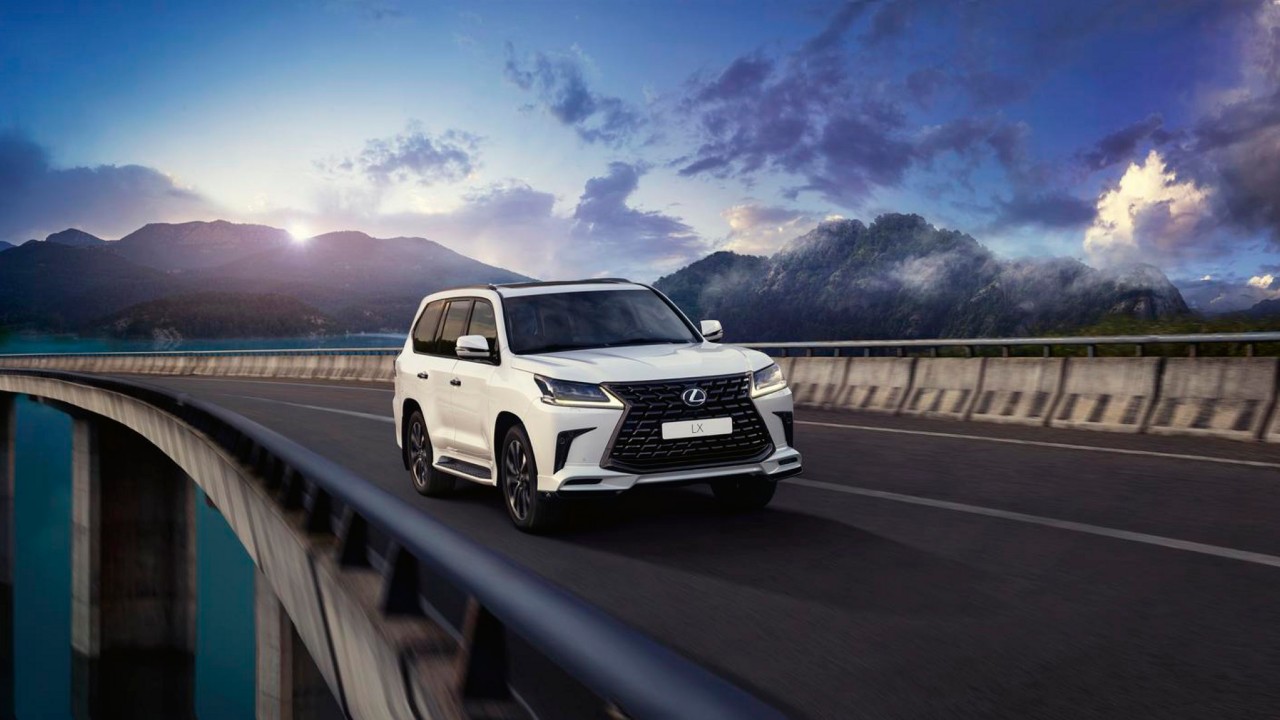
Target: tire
(531,511)
(745,493)
(427,480)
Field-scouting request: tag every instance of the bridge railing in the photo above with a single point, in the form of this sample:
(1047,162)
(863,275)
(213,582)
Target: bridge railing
(971,346)
(488,602)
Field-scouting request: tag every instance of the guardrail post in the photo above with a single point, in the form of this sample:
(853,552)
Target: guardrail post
(968,351)
(353,540)
(1138,350)
(400,595)
(1248,349)
(1092,350)
(866,352)
(1192,348)
(836,352)
(482,663)
(933,352)
(899,349)
(1004,351)
(808,352)
(1048,351)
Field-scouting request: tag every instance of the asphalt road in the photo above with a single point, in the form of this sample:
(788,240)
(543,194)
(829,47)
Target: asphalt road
(917,569)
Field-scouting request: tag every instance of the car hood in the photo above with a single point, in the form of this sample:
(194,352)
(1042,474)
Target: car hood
(639,363)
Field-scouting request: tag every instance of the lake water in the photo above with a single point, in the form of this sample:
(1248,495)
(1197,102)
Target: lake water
(224,667)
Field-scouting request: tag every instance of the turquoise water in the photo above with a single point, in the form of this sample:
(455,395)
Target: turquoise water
(42,583)
(22,343)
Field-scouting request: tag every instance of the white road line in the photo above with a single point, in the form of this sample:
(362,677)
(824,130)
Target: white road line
(321,384)
(1042,443)
(1188,546)
(352,413)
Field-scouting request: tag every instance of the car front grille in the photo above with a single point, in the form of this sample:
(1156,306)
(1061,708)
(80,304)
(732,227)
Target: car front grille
(637,444)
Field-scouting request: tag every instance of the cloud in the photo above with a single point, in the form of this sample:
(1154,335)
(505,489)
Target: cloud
(559,83)
(1047,210)
(843,134)
(756,229)
(1150,216)
(413,155)
(612,237)
(1232,294)
(106,200)
(1119,146)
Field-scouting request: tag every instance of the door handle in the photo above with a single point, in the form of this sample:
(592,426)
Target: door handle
(422,376)
(455,382)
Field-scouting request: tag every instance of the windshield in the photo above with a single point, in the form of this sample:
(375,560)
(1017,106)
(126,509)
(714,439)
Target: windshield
(593,319)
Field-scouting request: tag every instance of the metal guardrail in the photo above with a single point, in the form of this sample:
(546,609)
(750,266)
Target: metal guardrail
(215,353)
(630,674)
(839,347)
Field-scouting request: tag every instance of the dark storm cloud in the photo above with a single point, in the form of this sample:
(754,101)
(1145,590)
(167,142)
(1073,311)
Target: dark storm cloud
(111,200)
(1239,148)
(1121,145)
(562,90)
(413,155)
(991,89)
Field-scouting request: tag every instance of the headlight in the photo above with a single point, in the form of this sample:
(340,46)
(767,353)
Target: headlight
(766,380)
(574,394)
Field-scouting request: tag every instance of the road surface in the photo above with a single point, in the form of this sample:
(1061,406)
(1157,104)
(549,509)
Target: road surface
(916,569)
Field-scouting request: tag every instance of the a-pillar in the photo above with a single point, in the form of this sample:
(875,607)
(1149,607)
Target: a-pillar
(289,685)
(133,577)
(8,423)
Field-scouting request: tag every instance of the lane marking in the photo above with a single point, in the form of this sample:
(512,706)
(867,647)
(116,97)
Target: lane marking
(320,384)
(352,413)
(1217,551)
(1173,543)
(1045,443)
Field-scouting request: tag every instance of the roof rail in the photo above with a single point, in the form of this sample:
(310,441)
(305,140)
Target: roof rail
(545,283)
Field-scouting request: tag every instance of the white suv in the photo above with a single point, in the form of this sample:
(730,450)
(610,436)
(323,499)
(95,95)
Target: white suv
(554,389)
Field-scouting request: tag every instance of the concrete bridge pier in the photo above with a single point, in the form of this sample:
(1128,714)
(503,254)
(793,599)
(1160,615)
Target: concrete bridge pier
(8,422)
(133,576)
(289,684)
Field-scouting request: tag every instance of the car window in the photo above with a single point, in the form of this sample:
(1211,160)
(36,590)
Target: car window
(484,324)
(455,321)
(425,331)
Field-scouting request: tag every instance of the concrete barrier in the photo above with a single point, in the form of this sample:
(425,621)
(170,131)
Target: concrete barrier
(1115,394)
(298,366)
(814,381)
(1021,391)
(874,384)
(1221,397)
(944,387)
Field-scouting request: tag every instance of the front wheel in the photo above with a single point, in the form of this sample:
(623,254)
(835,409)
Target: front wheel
(518,477)
(746,493)
(427,480)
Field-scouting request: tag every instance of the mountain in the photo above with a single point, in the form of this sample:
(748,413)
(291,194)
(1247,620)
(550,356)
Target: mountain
(372,283)
(6,246)
(218,315)
(901,277)
(72,237)
(196,245)
(347,280)
(1264,309)
(51,286)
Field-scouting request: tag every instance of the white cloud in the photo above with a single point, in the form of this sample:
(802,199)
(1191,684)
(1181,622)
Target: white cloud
(756,229)
(1149,216)
(1262,281)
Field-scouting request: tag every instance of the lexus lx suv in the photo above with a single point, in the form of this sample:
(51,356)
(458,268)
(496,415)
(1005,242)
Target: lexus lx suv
(556,389)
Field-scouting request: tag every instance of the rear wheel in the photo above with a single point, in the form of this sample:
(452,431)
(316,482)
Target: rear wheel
(518,478)
(745,493)
(427,480)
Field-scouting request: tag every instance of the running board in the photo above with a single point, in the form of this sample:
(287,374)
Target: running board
(463,467)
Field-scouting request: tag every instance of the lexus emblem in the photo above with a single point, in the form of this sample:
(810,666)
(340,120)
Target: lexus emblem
(693,397)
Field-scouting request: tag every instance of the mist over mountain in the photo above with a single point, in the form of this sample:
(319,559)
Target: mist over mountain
(72,237)
(901,277)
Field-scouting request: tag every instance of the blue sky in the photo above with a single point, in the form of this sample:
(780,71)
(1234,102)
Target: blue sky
(619,137)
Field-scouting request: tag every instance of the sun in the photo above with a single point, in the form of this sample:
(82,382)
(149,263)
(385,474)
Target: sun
(299,232)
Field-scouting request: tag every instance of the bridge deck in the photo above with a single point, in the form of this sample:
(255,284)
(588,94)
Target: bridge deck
(911,572)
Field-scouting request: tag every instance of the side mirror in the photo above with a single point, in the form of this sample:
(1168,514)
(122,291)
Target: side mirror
(711,330)
(473,347)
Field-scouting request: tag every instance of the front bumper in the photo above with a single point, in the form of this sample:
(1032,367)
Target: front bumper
(582,471)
